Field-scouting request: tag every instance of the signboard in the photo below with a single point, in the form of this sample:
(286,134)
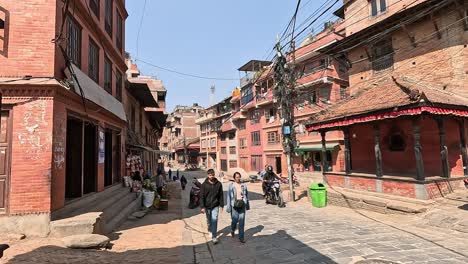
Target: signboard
(102,153)
(286,130)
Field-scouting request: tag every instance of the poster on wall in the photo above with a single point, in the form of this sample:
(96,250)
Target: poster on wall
(102,154)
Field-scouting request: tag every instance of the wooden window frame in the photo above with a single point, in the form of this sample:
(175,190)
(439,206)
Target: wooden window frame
(109,16)
(93,75)
(74,54)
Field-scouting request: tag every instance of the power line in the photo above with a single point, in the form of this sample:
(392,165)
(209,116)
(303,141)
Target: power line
(186,74)
(408,49)
(139,29)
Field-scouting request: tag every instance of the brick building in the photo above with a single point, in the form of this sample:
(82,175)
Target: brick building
(405,122)
(180,128)
(62,117)
(209,122)
(144,102)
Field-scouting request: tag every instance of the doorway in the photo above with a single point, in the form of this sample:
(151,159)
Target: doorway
(117,156)
(90,158)
(74,158)
(279,169)
(5,140)
(108,167)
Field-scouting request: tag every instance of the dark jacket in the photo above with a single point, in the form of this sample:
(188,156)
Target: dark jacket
(271,176)
(211,194)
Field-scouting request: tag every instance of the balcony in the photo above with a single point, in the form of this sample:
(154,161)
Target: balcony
(206,118)
(383,63)
(247,79)
(264,98)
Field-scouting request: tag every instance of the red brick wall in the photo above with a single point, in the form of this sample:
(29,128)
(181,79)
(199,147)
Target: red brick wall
(430,147)
(397,162)
(365,184)
(335,180)
(438,63)
(358,13)
(399,188)
(362,148)
(31,155)
(452,131)
(31,29)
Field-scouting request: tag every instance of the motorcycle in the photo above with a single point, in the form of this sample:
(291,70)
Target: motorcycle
(286,181)
(274,194)
(195,195)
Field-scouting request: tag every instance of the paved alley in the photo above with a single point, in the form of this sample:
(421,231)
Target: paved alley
(297,233)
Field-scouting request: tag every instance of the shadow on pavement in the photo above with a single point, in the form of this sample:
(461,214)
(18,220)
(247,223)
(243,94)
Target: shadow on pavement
(278,247)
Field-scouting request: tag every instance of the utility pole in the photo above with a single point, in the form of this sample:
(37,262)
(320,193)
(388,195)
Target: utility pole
(185,152)
(284,79)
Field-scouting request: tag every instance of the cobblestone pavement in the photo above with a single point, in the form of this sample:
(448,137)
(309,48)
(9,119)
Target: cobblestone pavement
(298,233)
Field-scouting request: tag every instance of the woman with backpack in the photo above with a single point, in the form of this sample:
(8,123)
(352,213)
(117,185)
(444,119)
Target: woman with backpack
(237,204)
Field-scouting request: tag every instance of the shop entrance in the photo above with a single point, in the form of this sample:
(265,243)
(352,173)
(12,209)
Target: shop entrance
(73,178)
(81,158)
(108,177)
(117,161)
(90,158)
(279,169)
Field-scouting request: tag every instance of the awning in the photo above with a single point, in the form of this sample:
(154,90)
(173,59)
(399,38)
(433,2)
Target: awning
(95,93)
(145,148)
(315,147)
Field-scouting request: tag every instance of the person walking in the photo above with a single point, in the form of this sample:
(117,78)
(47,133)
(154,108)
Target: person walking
(183,182)
(237,203)
(212,202)
(159,184)
(170,174)
(177,175)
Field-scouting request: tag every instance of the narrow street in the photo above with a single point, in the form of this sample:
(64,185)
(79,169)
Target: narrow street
(297,233)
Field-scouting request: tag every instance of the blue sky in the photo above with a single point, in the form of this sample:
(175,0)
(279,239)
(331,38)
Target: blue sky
(206,37)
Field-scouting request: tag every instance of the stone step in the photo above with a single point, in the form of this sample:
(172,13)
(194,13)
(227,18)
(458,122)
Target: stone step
(89,223)
(85,204)
(117,206)
(366,201)
(123,214)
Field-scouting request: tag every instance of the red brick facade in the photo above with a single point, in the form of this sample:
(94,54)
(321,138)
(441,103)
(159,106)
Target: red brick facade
(40,107)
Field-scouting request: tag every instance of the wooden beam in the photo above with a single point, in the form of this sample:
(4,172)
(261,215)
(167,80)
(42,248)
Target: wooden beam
(324,152)
(436,26)
(462,9)
(464,154)
(418,150)
(369,56)
(377,152)
(347,151)
(412,38)
(443,148)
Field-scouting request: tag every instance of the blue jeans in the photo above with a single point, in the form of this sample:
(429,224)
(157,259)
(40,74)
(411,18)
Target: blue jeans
(212,220)
(238,216)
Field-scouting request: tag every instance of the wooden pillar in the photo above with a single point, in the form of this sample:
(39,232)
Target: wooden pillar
(443,148)
(324,152)
(418,150)
(461,125)
(377,152)
(347,151)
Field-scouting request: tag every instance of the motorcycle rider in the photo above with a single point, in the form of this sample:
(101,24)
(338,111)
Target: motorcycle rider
(268,178)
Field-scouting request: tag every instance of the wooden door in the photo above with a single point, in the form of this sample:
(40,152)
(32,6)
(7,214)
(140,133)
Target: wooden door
(5,140)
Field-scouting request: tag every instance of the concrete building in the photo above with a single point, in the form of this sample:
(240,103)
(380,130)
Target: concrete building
(180,128)
(405,123)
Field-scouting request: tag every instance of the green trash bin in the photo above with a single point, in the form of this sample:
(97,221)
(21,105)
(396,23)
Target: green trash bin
(318,195)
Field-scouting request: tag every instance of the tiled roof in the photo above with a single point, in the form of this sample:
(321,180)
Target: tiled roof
(388,94)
